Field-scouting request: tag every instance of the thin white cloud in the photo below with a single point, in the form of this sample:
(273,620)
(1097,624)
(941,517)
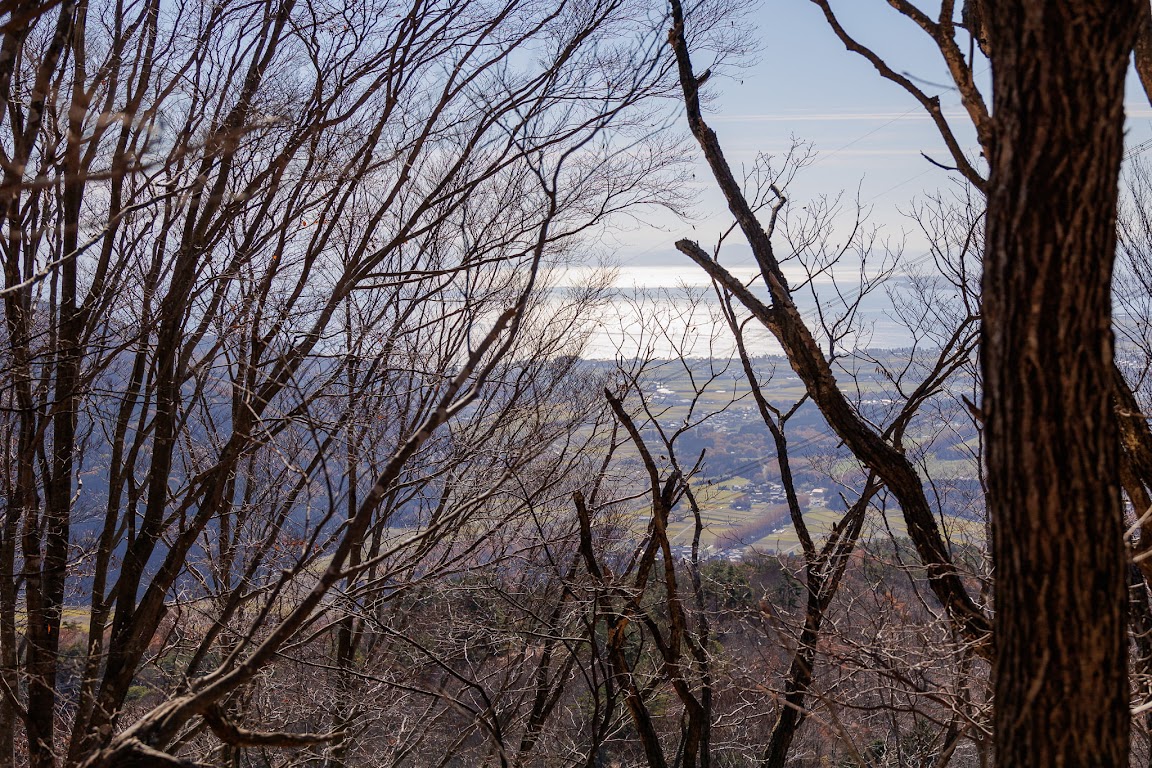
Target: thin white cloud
(869,152)
(915,114)
(1132,110)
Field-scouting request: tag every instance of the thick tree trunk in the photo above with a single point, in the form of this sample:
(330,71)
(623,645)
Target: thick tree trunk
(1061,647)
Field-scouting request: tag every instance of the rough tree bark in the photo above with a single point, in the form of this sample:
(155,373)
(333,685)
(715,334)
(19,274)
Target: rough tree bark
(1052,444)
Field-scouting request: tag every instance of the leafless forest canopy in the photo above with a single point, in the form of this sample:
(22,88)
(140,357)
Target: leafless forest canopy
(303,464)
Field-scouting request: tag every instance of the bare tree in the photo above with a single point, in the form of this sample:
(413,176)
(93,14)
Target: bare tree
(1047,355)
(780,316)
(234,236)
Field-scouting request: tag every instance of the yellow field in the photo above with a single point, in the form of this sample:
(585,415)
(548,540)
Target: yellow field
(719,519)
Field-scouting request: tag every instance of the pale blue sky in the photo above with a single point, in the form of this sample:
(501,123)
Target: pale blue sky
(869,133)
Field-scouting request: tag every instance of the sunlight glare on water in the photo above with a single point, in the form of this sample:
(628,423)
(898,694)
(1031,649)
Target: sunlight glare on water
(662,312)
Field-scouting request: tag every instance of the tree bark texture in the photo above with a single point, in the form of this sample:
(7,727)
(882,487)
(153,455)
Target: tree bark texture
(1060,672)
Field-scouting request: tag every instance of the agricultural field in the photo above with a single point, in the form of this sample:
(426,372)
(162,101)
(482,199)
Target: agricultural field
(742,499)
